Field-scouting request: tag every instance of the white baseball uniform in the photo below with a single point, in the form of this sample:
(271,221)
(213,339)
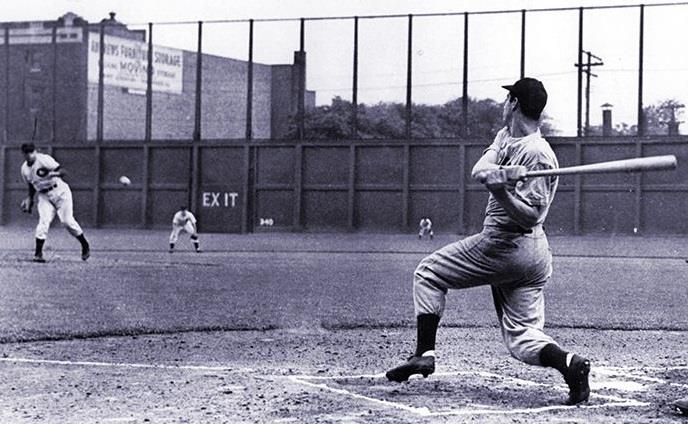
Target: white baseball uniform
(182,221)
(54,196)
(425,227)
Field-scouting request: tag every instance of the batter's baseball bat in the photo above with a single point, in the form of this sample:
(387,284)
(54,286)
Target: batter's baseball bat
(650,163)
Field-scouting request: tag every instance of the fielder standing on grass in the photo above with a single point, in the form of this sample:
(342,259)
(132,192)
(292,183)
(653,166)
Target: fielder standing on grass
(511,253)
(184,220)
(44,175)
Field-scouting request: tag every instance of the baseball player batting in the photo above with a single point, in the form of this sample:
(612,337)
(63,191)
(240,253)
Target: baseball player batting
(184,220)
(511,254)
(44,175)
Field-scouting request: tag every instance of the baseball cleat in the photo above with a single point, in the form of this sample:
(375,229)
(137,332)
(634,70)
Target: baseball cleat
(424,365)
(38,259)
(85,253)
(681,406)
(577,379)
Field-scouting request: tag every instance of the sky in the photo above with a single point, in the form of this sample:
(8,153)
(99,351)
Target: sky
(493,46)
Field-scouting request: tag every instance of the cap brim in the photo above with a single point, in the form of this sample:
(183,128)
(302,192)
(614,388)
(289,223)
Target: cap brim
(508,87)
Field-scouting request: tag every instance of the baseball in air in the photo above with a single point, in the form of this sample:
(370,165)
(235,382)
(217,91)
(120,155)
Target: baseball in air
(124,180)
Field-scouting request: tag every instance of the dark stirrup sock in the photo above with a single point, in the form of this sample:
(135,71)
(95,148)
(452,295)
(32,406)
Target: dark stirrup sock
(552,356)
(426,331)
(39,247)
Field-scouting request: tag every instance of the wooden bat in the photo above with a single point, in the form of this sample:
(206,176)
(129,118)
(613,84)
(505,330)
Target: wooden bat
(650,163)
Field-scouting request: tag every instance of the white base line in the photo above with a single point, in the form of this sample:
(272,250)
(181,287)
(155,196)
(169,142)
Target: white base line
(122,365)
(612,400)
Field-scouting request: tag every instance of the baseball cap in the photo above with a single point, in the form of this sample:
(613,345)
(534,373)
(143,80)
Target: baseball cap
(531,95)
(27,147)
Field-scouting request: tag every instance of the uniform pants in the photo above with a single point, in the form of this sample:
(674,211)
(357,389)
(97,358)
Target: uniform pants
(515,265)
(176,229)
(56,201)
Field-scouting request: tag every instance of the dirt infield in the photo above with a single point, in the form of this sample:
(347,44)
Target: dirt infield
(299,328)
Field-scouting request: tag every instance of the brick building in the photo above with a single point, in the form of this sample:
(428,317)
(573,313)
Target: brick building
(49,78)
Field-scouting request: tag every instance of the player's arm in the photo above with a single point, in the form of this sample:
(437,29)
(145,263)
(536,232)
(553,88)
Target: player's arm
(57,172)
(487,162)
(524,214)
(32,191)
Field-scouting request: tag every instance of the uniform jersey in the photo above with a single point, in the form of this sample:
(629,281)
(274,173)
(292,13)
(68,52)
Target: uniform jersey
(35,174)
(533,152)
(425,223)
(182,220)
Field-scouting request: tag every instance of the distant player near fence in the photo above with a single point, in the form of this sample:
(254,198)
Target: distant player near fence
(511,254)
(425,228)
(184,220)
(43,174)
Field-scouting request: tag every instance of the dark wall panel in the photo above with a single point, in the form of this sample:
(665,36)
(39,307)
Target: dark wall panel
(83,207)
(274,208)
(476,201)
(170,165)
(116,162)
(327,210)
(120,208)
(80,165)
(162,205)
(607,212)
(560,217)
(435,165)
(276,165)
(326,165)
(379,165)
(442,207)
(379,211)
(664,213)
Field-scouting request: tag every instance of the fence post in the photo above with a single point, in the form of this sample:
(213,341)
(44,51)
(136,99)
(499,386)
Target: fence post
(298,187)
(145,189)
(351,213)
(53,88)
(301,96)
(462,189)
(577,191)
(3,171)
(641,42)
(523,43)
(101,85)
(7,86)
(354,89)
(194,177)
(579,105)
(246,184)
(405,189)
(199,84)
(96,188)
(638,189)
(249,87)
(409,76)
(149,86)
(464,99)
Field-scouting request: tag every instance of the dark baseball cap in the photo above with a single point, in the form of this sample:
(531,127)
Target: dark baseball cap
(28,148)
(531,95)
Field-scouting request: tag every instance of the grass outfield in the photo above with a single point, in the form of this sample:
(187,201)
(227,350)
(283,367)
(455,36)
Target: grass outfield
(317,305)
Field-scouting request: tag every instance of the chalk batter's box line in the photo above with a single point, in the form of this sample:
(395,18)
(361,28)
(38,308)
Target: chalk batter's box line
(123,365)
(631,373)
(613,401)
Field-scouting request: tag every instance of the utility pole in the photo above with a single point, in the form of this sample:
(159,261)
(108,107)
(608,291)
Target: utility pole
(586,67)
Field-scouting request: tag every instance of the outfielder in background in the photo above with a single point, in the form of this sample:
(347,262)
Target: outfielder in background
(44,175)
(184,220)
(511,254)
(425,228)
